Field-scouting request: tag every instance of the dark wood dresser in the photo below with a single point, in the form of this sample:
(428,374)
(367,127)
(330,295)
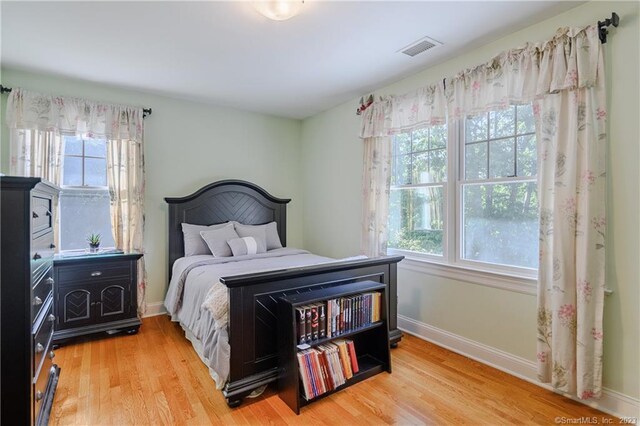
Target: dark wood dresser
(27,373)
(95,293)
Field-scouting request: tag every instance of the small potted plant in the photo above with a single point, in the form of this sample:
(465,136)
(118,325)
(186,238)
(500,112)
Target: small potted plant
(94,243)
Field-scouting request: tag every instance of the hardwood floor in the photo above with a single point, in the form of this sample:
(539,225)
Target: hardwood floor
(155,377)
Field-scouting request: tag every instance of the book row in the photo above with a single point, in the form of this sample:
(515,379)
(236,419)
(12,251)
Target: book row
(326,367)
(334,317)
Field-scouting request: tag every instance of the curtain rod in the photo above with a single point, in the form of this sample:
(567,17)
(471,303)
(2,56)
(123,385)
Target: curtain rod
(145,111)
(602,26)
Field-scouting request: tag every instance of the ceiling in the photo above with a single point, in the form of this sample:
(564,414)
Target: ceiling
(225,53)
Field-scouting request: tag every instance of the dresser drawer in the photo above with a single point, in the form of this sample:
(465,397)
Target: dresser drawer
(41,215)
(42,337)
(42,251)
(73,274)
(41,387)
(40,293)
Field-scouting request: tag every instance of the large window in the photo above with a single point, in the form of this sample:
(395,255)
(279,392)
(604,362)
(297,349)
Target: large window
(84,199)
(487,217)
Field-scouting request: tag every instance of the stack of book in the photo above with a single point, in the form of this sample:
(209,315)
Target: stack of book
(326,367)
(334,317)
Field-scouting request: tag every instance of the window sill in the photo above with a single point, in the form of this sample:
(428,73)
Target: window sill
(518,284)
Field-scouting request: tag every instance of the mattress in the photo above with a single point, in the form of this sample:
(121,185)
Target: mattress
(198,301)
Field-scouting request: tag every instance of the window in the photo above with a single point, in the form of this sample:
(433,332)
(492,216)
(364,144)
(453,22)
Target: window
(418,190)
(84,199)
(487,217)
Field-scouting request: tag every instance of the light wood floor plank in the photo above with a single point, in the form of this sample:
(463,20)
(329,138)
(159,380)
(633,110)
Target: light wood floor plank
(156,378)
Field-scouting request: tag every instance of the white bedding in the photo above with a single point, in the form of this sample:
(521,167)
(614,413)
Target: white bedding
(198,301)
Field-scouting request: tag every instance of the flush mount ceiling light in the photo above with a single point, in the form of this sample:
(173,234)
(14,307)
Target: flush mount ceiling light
(278,10)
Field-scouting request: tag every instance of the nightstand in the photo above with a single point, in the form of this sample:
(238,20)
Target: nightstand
(95,293)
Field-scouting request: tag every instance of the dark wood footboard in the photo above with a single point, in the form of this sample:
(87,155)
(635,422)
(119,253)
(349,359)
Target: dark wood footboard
(253,311)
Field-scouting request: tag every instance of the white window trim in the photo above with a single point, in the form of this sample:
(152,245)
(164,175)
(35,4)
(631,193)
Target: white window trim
(451,265)
(475,275)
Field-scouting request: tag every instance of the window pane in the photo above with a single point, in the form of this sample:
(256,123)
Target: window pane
(527,156)
(401,170)
(72,171)
(420,140)
(500,224)
(416,219)
(72,145)
(95,148)
(83,212)
(95,172)
(501,158)
(420,169)
(475,161)
(526,121)
(502,123)
(438,136)
(438,165)
(476,128)
(402,143)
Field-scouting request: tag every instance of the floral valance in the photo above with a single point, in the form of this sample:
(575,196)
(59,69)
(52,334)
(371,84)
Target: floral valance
(37,111)
(571,59)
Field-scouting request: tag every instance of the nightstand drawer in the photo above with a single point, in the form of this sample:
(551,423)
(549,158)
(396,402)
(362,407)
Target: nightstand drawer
(40,293)
(73,274)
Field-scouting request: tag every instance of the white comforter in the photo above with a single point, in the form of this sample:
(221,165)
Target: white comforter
(198,301)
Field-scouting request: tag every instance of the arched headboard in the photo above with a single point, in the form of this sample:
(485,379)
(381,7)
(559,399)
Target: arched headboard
(221,202)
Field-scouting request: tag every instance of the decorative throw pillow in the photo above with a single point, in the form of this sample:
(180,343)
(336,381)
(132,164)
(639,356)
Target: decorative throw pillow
(216,240)
(268,231)
(246,245)
(193,242)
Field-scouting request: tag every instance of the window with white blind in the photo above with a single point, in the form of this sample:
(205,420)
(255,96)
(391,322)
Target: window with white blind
(84,198)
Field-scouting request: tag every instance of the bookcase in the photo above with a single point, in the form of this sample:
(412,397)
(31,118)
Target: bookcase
(368,330)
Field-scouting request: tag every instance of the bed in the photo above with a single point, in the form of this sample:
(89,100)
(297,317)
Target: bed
(248,338)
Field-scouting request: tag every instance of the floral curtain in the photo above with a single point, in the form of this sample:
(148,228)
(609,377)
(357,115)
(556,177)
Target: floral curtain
(571,134)
(37,120)
(125,174)
(564,79)
(375,196)
(38,153)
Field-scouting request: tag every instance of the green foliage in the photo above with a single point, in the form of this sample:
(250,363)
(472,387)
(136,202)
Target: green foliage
(94,239)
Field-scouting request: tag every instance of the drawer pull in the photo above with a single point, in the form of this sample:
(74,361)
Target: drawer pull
(37,301)
(39,348)
(36,256)
(35,215)
(39,395)
(52,246)
(96,274)
(51,355)
(49,213)
(50,281)
(51,317)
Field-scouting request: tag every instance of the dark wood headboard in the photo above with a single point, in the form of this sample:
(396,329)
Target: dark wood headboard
(221,202)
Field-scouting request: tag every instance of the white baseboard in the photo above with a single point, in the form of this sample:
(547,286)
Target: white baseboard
(611,402)
(154,309)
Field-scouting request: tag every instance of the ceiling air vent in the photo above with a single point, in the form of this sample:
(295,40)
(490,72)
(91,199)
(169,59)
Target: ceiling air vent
(420,46)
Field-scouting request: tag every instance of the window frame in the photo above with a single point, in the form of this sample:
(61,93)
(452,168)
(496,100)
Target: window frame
(452,264)
(81,191)
(446,193)
(83,157)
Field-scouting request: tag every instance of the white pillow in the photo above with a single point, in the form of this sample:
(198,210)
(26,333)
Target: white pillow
(193,242)
(246,245)
(216,240)
(268,232)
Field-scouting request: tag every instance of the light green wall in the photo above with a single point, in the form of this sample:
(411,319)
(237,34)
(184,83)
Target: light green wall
(332,163)
(188,145)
